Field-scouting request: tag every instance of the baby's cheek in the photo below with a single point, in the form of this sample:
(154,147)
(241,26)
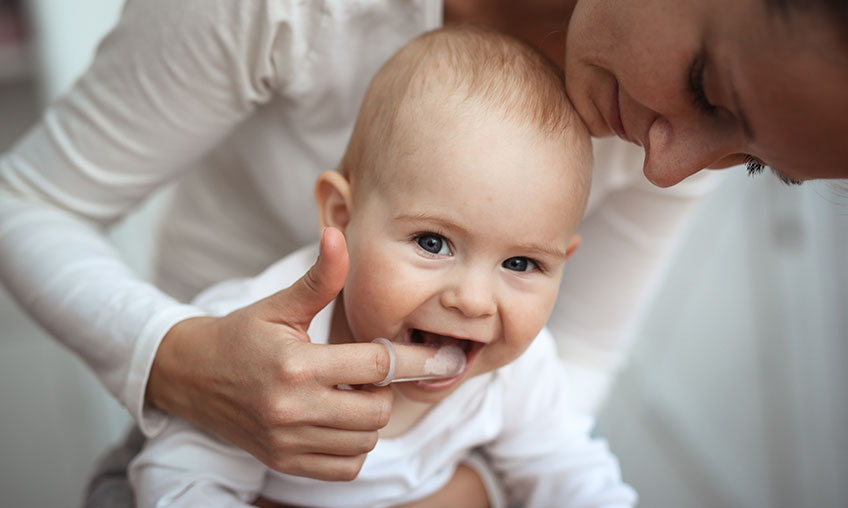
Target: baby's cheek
(496,356)
(525,325)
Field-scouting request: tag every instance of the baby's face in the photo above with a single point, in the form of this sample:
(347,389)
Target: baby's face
(463,242)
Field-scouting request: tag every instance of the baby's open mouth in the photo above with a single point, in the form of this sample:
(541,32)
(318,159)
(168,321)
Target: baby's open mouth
(469,347)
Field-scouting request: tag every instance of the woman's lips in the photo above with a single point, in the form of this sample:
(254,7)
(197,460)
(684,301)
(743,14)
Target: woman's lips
(614,120)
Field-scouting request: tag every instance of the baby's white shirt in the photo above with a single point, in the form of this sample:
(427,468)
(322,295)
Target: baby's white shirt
(519,416)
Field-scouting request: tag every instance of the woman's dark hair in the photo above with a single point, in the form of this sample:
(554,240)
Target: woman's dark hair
(834,10)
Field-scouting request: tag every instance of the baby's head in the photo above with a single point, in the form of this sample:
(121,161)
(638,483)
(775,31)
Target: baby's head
(459,196)
(457,78)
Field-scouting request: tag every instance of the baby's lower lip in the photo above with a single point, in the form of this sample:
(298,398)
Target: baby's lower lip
(441,384)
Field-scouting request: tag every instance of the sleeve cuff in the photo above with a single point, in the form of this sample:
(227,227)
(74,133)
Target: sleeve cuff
(150,419)
(495,489)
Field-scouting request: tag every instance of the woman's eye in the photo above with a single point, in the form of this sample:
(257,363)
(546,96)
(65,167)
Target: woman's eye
(433,243)
(519,264)
(696,84)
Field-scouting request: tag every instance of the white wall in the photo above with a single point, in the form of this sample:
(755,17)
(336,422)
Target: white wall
(736,393)
(66,33)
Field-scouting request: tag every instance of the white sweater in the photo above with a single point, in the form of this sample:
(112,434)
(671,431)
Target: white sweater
(246,103)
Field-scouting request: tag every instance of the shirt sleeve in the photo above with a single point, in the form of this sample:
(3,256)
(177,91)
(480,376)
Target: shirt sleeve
(171,81)
(544,453)
(627,240)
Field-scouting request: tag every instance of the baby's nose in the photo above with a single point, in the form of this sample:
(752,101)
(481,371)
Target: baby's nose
(472,295)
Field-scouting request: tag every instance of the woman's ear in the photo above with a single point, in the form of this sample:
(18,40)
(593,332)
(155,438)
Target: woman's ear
(333,197)
(572,245)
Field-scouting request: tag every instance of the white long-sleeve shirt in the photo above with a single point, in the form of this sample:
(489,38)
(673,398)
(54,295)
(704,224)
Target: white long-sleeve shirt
(245,103)
(519,415)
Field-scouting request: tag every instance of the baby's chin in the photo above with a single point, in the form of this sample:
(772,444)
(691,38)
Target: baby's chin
(425,392)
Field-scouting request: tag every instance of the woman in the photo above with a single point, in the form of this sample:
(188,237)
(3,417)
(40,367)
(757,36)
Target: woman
(245,102)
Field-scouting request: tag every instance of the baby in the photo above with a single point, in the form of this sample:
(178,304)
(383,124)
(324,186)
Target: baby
(458,196)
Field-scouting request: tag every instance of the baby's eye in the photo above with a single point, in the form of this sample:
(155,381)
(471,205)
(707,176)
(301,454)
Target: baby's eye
(519,264)
(433,243)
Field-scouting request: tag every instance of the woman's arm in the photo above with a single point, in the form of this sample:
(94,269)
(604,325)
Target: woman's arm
(167,84)
(627,239)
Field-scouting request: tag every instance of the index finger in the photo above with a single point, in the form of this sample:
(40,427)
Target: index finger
(352,364)
(364,363)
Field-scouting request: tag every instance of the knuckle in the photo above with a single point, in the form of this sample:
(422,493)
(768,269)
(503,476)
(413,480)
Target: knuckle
(369,441)
(278,413)
(382,361)
(298,466)
(350,469)
(280,464)
(312,281)
(282,444)
(295,371)
(382,413)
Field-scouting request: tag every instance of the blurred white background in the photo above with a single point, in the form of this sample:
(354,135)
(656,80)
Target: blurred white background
(736,395)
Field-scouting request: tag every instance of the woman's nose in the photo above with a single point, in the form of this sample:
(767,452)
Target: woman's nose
(675,152)
(471,294)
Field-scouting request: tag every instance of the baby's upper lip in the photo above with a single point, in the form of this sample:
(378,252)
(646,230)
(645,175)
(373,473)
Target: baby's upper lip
(464,342)
(431,332)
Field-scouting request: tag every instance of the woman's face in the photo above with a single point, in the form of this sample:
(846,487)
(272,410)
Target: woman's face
(713,83)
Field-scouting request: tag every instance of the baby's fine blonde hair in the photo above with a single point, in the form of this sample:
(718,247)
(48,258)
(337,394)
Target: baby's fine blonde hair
(468,69)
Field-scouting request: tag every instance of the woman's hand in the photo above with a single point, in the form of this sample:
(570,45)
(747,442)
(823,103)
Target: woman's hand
(253,378)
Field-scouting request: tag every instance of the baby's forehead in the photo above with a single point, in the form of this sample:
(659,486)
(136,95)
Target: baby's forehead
(463,149)
(443,125)
(441,132)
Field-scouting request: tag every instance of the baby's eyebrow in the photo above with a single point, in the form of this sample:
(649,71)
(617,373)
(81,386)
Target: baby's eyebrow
(449,225)
(546,250)
(438,221)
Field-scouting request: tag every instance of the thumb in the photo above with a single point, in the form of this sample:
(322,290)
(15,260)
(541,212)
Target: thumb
(298,304)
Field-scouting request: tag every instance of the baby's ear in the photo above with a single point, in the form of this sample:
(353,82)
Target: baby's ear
(572,245)
(333,197)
